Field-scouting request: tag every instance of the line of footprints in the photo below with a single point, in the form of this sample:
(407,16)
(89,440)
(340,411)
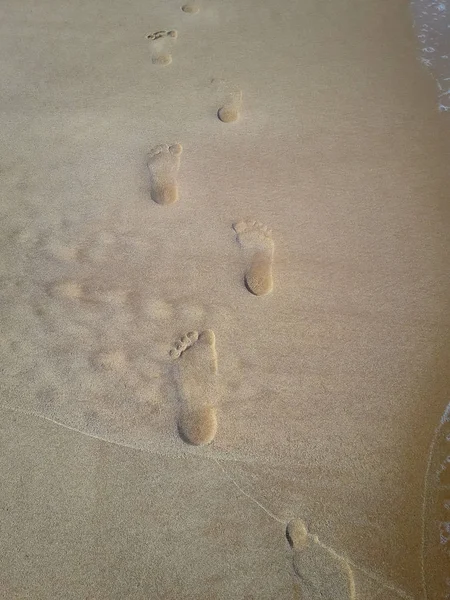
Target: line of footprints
(195,352)
(322,573)
(256,240)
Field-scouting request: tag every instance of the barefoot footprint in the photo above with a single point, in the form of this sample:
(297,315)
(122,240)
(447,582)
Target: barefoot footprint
(163,164)
(323,574)
(196,362)
(161,42)
(256,240)
(231,101)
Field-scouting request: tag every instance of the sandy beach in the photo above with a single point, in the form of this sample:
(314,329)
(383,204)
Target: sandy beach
(225,245)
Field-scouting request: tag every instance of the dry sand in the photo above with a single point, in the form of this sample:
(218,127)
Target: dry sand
(314,118)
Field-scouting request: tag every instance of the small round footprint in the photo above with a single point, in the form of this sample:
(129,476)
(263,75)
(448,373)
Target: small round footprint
(190,8)
(228,114)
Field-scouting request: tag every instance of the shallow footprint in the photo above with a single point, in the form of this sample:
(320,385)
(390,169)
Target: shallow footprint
(163,164)
(161,46)
(196,362)
(191,8)
(256,240)
(323,575)
(67,289)
(230,101)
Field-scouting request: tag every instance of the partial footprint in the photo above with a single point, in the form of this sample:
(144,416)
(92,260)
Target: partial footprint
(196,373)
(162,42)
(191,8)
(256,240)
(67,289)
(163,164)
(323,574)
(157,35)
(111,360)
(230,101)
(159,310)
(62,252)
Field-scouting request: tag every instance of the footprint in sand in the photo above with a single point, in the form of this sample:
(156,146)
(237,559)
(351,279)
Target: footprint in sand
(161,44)
(191,8)
(67,289)
(196,362)
(110,360)
(323,574)
(230,101)
(157,35)
(256,240)
(163,164)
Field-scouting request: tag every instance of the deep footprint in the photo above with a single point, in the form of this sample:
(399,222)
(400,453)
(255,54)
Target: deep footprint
(323,575)
(256,240)
(163,164)
(196,368)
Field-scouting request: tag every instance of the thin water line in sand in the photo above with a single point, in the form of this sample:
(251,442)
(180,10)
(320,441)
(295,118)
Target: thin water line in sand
(369,574)
(29,413)
(222,455)
(444,419)
(424,508)
(379,579)
(267,511)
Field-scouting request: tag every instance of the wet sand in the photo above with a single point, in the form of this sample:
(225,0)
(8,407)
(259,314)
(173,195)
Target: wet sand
(224,257)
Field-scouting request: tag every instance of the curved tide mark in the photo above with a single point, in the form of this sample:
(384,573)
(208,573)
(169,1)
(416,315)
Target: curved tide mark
(436,514)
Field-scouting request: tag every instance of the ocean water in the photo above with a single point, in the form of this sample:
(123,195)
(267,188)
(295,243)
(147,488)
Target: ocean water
(432,26)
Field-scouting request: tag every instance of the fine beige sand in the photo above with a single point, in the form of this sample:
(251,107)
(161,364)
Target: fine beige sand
(225,249)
